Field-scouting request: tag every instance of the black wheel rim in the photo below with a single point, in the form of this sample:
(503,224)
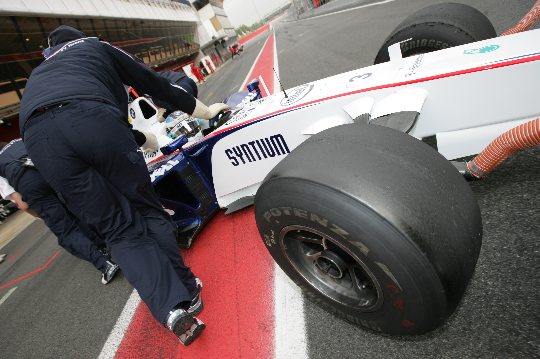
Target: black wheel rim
(331,268)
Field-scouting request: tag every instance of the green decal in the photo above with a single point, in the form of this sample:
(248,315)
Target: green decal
(481,50)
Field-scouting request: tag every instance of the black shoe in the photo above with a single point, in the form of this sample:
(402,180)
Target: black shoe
(109,271)
(196,305)
(185,326)
(105,251)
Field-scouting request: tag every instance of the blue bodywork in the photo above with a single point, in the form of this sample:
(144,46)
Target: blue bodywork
(183,180)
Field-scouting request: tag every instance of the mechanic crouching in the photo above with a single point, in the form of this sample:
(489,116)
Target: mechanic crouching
(21,183)
(73,119)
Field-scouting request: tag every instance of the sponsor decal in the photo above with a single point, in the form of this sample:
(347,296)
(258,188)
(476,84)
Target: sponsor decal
(9,145)
(163,169)
(273,214)
(65,47)
(149,155)
(296,94)
(132,113)
(243,112)
(270,240)
(415,66)
(257,150)
(481,50)
(361,77)
(432,44)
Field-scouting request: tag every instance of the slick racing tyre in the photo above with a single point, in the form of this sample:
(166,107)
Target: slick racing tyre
(374,225)
(438,27)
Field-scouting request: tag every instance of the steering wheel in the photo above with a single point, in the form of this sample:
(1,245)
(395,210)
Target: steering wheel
(220,119)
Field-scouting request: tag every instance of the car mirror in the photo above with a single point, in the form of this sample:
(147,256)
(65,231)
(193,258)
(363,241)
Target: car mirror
(174,145)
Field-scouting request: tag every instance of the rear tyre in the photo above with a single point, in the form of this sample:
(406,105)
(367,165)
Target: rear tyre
(374,226)
(438,27)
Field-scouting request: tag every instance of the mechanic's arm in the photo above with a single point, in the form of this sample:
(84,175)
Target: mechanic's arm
(5,188)
(146,80)
(146,140)
(9,193)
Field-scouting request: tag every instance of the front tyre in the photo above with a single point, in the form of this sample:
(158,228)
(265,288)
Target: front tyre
(374,225)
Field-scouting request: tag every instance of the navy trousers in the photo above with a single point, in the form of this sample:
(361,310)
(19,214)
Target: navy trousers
(85,150)
(72,236)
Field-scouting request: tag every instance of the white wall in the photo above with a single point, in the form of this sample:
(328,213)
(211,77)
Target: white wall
(133,9)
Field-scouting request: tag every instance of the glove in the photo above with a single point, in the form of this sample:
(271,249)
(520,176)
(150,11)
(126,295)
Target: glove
(151,143)
(208,112)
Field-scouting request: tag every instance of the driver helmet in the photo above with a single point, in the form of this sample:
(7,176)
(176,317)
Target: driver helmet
(179,123)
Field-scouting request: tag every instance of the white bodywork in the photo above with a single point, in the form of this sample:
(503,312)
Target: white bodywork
(465,96)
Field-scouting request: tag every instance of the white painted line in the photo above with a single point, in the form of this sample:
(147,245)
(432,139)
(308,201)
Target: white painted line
(351,9)
(117,334)
(253,66)
(261,80)
(290,340)
(277,84)
(5,297)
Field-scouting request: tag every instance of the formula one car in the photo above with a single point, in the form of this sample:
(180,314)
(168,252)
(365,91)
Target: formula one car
(358,179)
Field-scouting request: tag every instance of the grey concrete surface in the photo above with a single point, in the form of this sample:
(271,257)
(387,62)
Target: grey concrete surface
(64,312)
(61,311)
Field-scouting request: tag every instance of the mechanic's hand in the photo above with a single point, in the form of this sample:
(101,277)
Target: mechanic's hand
(151,143)
(208,112)
(16,198)
(216,108)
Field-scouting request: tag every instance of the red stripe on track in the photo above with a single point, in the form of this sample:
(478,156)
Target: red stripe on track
(35,271)
(254,34)
(238,278)
(264,67)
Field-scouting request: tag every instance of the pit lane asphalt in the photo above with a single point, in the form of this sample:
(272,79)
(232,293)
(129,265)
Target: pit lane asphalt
(67,313)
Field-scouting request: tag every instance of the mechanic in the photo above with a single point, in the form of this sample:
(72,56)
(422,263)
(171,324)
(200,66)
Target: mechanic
(176,79)
(30,191)
(73,119)
(197,73)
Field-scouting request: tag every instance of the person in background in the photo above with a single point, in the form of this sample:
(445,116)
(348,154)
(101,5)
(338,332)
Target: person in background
(73,122)
(209,64)
(21,183)
(197,73)
(202,69)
